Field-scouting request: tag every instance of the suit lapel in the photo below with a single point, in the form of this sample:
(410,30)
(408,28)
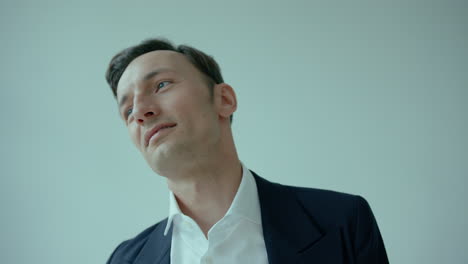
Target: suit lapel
(157,248)
(287,228)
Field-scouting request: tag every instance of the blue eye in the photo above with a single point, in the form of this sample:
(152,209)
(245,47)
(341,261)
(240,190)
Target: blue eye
(129,111)
(162,84)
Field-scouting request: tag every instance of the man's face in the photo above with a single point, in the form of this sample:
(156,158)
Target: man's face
(166,105)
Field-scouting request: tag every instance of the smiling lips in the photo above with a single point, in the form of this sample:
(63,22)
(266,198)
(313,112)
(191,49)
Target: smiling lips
(155,130)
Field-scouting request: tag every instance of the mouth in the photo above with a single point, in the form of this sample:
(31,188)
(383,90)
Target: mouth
(156,131)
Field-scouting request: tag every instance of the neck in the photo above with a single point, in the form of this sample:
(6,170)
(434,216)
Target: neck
(208,189)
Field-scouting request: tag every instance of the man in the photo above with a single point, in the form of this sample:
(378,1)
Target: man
(178,111)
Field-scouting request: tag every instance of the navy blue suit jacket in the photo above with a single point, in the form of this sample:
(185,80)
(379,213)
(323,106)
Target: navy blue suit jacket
(300,225)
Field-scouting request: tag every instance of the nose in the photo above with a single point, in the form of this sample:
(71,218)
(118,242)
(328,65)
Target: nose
(146,116)
(143,112)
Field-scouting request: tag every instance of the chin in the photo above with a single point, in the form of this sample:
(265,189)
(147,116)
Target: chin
(160,161)
(169,158)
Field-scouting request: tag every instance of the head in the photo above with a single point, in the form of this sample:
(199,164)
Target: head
(173,101)
(206,64)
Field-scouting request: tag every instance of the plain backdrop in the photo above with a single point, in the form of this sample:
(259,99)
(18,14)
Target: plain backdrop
(364,97)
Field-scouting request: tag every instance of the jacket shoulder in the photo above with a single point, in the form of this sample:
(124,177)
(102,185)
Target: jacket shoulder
(331,208)
(127,251)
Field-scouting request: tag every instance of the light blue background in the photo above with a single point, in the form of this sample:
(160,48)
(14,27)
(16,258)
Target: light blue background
(365,97)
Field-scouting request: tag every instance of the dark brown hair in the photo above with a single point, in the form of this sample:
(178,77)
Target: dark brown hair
(203,62)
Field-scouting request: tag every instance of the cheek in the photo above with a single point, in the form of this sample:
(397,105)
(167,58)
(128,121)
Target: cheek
(134,133)
(181,107)
(197,109)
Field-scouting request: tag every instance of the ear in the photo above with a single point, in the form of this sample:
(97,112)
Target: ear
(225,100)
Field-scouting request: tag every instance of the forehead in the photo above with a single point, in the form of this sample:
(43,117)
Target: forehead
(153,61)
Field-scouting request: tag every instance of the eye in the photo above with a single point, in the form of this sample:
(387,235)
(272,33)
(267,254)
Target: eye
(128,112)
(162,85)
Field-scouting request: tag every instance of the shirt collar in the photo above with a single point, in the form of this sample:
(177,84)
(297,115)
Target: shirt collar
(245,204)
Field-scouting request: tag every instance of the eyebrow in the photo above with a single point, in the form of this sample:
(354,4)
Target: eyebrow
(145,78)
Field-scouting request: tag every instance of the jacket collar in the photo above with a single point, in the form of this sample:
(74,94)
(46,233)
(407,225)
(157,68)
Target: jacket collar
(287,228)
(156,249)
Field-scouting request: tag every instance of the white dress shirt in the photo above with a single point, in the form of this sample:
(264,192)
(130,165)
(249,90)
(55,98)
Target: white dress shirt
(236,238)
